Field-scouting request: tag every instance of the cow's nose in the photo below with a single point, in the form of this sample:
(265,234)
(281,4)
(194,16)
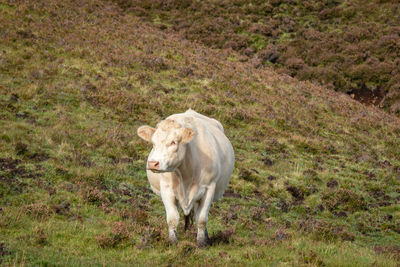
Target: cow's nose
(153,165)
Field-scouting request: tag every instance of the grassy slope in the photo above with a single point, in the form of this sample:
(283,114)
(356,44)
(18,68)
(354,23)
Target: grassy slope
(317,174)
(348,45)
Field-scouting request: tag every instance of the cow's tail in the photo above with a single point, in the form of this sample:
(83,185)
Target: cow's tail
(189,220)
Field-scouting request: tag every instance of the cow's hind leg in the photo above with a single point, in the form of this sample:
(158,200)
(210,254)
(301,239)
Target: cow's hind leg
(201,213)
(171,209)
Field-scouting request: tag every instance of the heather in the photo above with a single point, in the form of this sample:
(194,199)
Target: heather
(345,45)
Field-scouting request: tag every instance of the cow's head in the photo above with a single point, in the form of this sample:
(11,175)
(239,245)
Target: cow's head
(169,141)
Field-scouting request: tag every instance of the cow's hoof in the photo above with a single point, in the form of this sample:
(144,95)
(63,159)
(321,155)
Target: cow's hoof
(203,240)
(172,237)
(203,243)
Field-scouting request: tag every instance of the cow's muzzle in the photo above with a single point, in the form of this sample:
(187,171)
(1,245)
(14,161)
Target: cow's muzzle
(153,165)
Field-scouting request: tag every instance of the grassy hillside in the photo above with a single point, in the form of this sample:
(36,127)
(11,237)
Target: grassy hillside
(317,175)
(348,45)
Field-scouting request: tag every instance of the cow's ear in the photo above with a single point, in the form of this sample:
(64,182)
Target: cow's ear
(187,135)
(146,132)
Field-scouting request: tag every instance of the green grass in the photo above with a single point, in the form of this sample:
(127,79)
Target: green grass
(316,178)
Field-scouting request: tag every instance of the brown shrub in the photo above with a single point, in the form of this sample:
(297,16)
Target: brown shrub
(393,250)
(95,196)
(154,63)
(257,213)
(311,258)
(332,183)
(237,43)
(62,208)
(270,54)
(322,230)
(294,65)
(148,236)
(315,51)
(265,30)
(38,210)
(343,199)
(281,235)
(137,215)
(119,233)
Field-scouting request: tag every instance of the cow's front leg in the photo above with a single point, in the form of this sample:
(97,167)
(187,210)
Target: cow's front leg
(169,200)
(202,216)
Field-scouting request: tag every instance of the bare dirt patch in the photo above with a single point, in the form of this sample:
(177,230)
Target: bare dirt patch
(223,237)
(296,193)
(229,192)
(332,183)
(10,169)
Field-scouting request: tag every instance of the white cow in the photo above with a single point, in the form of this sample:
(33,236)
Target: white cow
(191,163)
